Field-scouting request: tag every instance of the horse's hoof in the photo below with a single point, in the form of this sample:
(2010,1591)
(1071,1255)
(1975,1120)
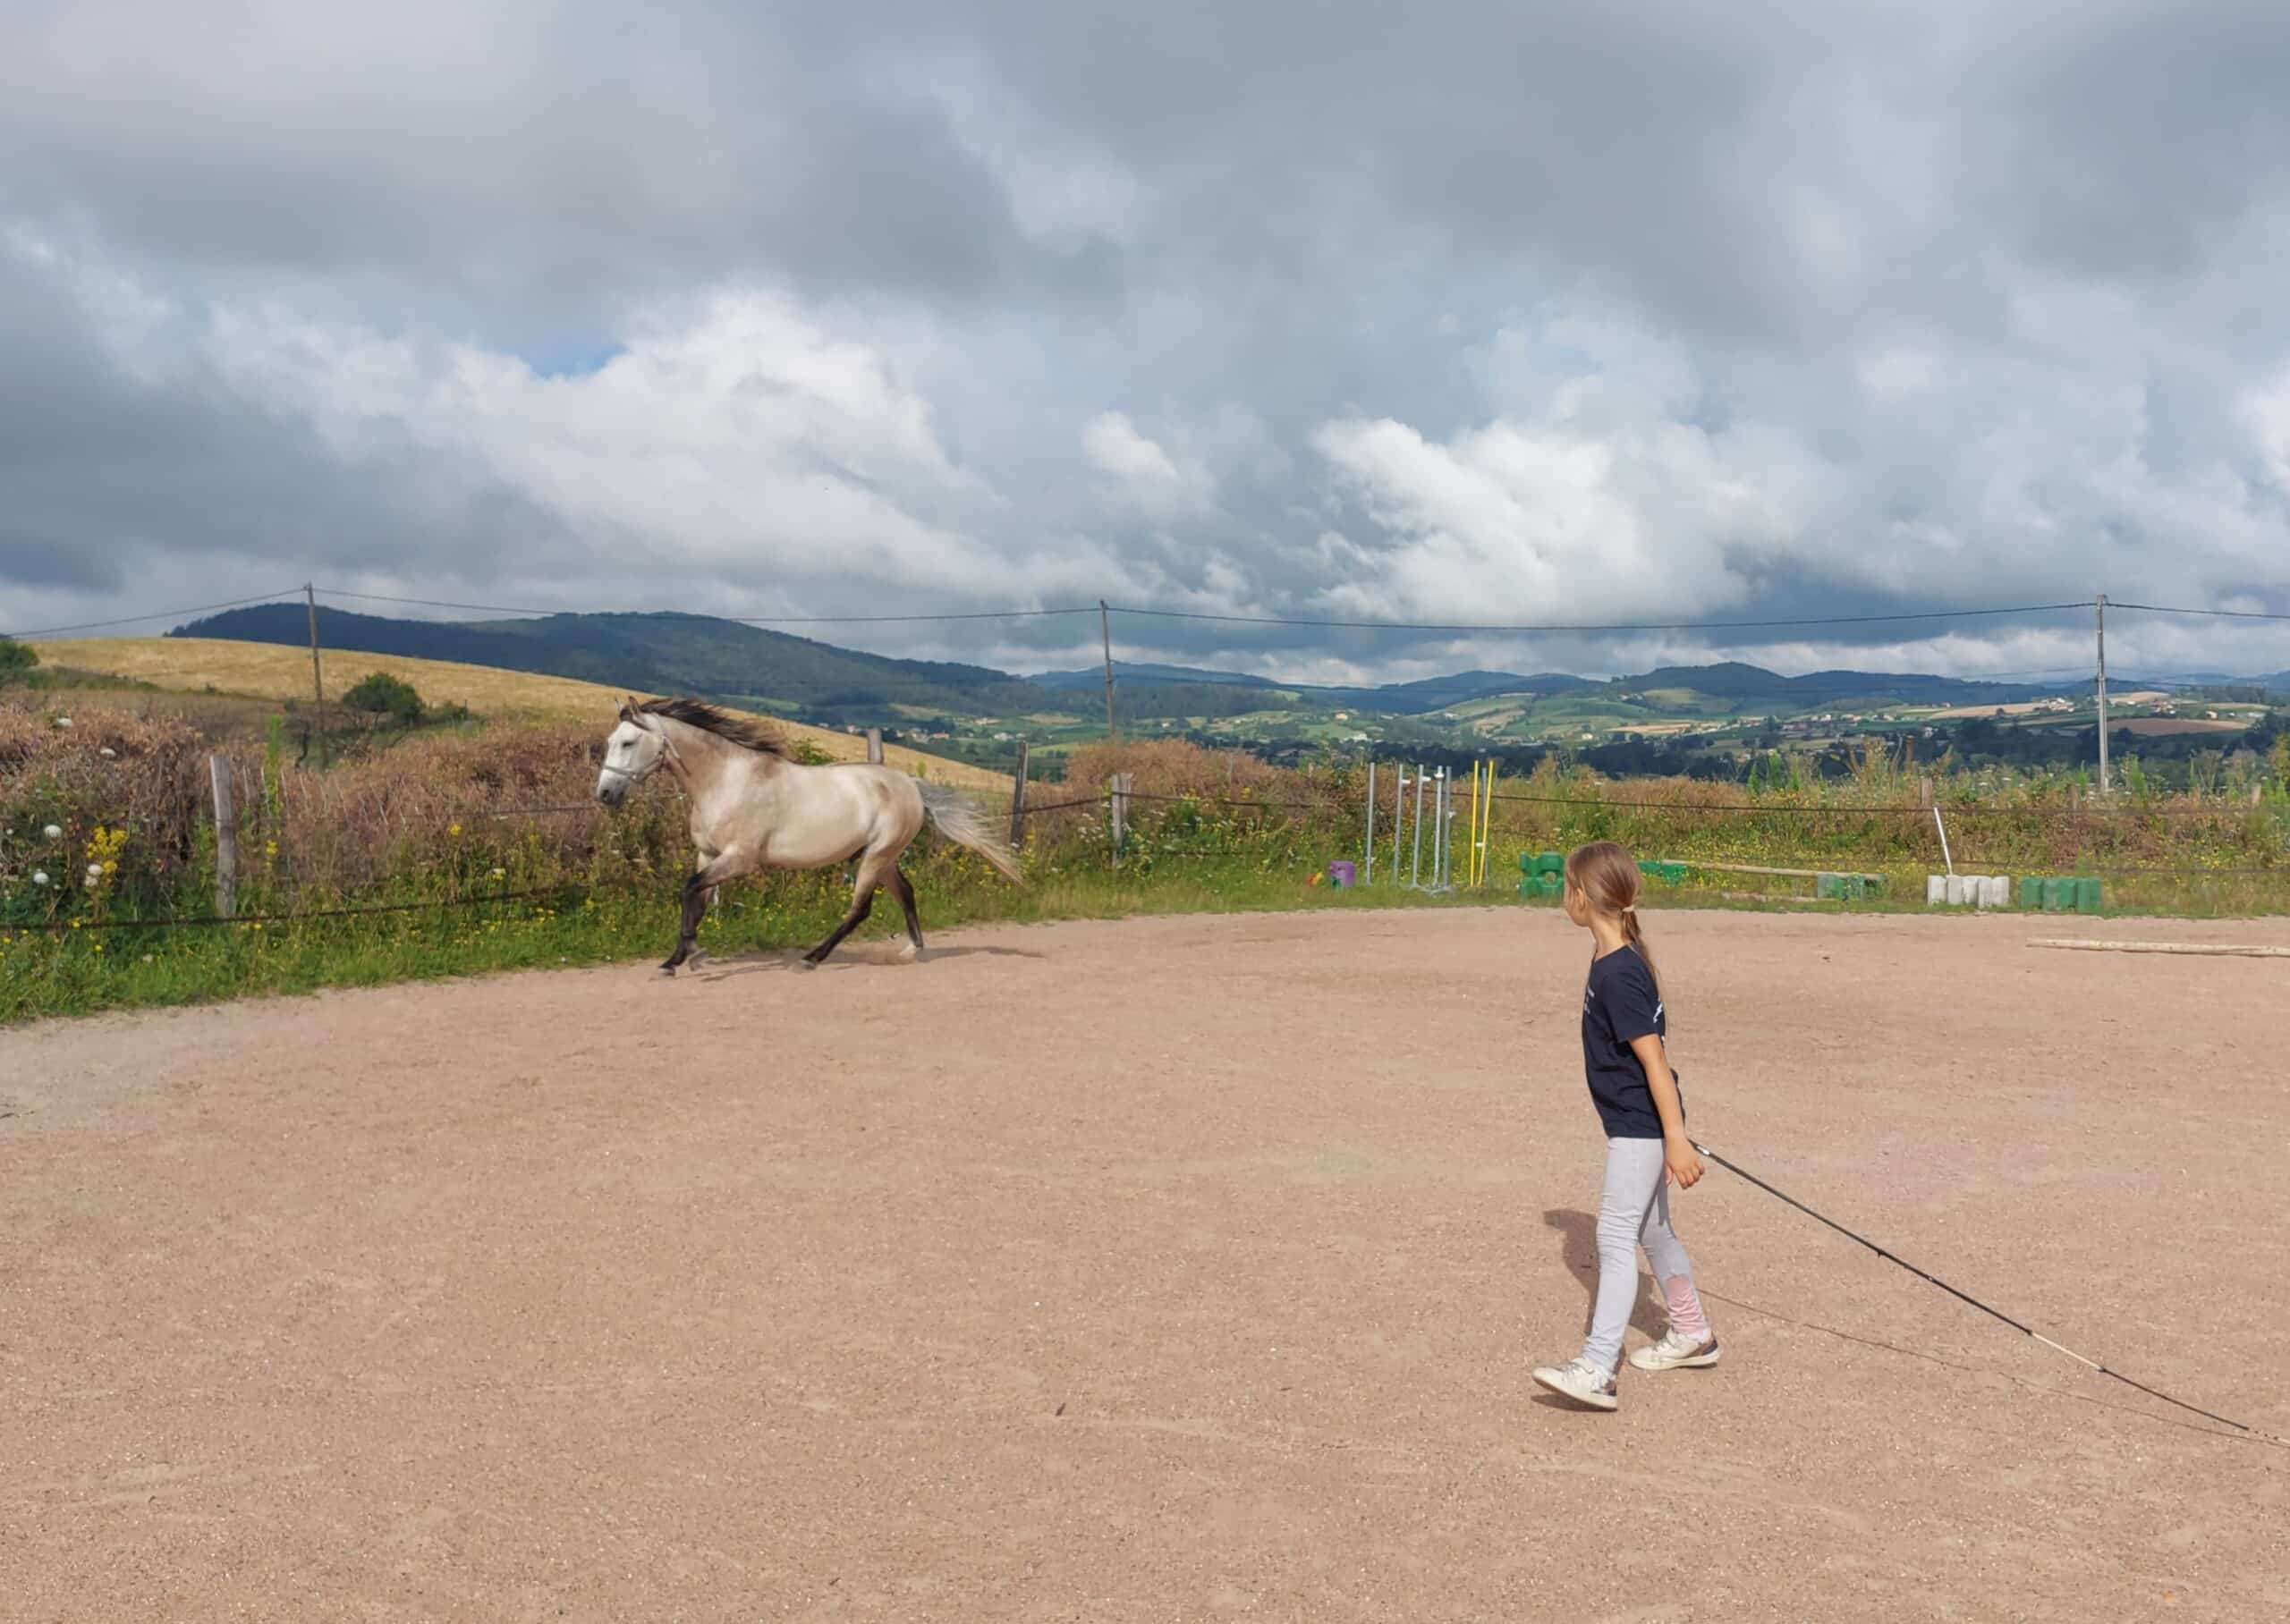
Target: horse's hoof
(909,954)
(696,960)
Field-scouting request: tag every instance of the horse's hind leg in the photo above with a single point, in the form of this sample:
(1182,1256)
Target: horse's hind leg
(873,869)
(904,887)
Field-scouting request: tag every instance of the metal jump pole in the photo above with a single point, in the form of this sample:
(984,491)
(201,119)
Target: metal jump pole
(1368,878)
(1438,819)
(1415,866)
(1399,819)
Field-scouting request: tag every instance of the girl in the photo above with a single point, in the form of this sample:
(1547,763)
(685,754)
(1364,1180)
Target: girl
(1637,1098)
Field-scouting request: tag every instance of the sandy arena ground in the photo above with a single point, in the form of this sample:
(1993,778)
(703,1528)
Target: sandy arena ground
(1160,1270)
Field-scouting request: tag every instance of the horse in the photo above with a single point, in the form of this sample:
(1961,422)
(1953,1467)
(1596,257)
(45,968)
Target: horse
(755,806)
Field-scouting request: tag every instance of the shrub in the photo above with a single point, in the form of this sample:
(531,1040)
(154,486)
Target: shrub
(16,659)
(383,695)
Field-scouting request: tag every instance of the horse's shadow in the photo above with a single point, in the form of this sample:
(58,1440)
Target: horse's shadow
(1579,1245)
(884,955)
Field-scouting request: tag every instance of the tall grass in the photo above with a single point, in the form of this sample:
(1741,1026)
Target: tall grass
(450,823)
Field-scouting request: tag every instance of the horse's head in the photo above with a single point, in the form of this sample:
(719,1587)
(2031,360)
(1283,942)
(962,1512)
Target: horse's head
(634,748)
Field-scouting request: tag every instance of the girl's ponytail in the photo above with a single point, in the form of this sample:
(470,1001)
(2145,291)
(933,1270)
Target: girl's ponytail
(1607,873)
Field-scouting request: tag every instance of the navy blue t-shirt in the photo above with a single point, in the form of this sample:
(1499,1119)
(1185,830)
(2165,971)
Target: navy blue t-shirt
(1622,1003)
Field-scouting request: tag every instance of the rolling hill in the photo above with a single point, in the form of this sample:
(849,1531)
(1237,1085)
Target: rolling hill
(692,653)
(274,671)
(802,679)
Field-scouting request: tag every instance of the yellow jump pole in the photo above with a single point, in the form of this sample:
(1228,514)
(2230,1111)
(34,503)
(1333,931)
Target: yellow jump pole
(1478,817)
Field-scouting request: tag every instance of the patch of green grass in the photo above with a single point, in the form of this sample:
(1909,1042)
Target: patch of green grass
(78,972)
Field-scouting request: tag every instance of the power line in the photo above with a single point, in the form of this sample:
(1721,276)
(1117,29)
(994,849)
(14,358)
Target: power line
(1556,628)
(164,614)
(1552,628)
(1254,619)
(2229,615)
(748,620)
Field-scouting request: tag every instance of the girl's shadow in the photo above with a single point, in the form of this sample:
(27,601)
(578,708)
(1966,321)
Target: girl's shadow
(1579,1245)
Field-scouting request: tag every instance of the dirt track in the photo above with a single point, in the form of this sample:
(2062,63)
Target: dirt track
(1176,1269)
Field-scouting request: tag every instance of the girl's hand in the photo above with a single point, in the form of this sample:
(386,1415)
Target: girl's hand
(1681,1161)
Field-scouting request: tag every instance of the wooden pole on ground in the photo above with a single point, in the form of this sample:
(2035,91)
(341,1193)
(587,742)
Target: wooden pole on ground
(1105,625)
(317,672)
(875,746)
(2222,950)
(1786,874)
(226,837)
(1120,812)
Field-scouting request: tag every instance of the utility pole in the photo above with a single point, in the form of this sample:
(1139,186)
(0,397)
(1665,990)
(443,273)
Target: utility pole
(317,672)
(1105,625)
(2102,607)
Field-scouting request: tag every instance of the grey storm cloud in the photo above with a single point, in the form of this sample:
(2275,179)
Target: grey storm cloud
(1451,313)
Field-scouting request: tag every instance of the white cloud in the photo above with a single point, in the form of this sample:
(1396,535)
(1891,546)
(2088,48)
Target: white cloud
(1619,480)
(1114,447)
(2266,413)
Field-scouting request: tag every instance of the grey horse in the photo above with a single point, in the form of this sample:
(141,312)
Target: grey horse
(754,806)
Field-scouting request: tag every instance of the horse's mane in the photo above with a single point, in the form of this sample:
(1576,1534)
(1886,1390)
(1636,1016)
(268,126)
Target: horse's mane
(748,733)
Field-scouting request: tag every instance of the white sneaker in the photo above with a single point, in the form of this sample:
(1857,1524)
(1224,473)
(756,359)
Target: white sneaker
(1677,1352)
(1582,1382)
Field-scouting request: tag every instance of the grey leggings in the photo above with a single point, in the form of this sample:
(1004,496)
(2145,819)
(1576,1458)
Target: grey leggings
(1634,1211)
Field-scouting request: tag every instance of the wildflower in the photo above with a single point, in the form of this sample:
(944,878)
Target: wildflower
(453,828)
(500,874)
(39,876)
(64,722)
(108,753)
(54,832)
(95,871)
(146,958)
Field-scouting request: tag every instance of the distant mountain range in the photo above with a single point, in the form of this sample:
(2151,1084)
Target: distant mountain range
(814,682)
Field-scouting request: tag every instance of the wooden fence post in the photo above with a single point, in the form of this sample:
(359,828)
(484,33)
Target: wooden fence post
(1120,812)
(875,746)
(1018,800)
(1924,791)
(226,837)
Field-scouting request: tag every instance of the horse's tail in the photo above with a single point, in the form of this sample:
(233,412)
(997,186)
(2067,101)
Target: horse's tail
(961,822)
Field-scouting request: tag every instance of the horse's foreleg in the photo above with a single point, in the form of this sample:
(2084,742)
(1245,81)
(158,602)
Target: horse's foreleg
(904,887)
(873,870)
(699,893)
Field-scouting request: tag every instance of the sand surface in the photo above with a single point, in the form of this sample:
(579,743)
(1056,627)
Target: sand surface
(1155,1270)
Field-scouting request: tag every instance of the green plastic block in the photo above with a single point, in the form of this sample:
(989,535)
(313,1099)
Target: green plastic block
(1830,887)
(2031,891)
(2087,896)
(1550,863)
(2059,894)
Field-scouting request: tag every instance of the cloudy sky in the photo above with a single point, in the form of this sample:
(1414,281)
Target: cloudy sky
(1530,313)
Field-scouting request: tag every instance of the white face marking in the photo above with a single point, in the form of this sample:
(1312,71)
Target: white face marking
(629,753)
